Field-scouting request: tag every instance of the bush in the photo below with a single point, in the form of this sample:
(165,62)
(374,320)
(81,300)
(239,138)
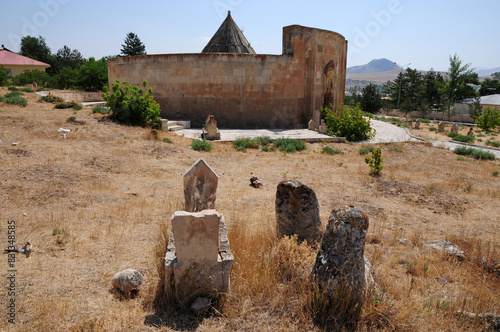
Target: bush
(242,144)
(425,121)
(71,119)
(29,76)
(289,145)
(15,100)
(433,129)
(349,123)
(366,150)
(50,98)
(474,153)
(330,151)
(202,145)
(101,110)
(375,162)
(70,104)
(4,77)
(489,120)
(133,105)
(461,138)
(14,94)
(493,143)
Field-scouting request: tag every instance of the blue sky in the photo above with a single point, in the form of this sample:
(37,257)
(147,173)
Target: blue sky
(421,32)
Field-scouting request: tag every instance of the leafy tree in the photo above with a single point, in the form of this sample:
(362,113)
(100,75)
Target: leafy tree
(489,87)
(4,76)
(133,46)
(92,75)
(475,108)
(132,105)
(456,85)
(66,57)
(489,120)
(36,48)
(496,76)
(66,78)
(430,98)
(371,100)
(348,122)
(411,90)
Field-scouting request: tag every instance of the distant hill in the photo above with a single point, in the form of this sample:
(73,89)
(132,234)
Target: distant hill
(487,72)
(374,66)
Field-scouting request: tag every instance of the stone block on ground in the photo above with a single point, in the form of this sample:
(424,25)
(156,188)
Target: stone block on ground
(127,280)
(297,212)
(322,129)
(312,125)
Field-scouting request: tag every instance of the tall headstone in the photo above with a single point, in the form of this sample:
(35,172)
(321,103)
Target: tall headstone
(312,125)
(417,124)
(200,187)
(340,264)
(454,128)
(410,123)
(322,128)
(211,131)
(198,261)
(441,127)
(297,212)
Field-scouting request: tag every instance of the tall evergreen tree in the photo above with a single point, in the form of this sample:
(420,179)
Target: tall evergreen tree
(36,48)
(133,46)
(66,57)
(371,100)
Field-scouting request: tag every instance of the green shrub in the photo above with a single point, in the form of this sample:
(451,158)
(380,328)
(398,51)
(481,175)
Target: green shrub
(349,123)
(289,145)
(30,76)
(133,105)
(13,88)
(14,94)
(27,89)
(15,100)
(493,143)
(1,98)
(70,104)
(202,145)
(50,98)
(474,153)
(242,144)
(433,129)
(4,76)
(489,120)
(101,110)
(71,119)
(366,150)
(425,121)
(460,158)
(167,140)
(330,151)
(495,173)
(461,138)
(263,140)
(375,162)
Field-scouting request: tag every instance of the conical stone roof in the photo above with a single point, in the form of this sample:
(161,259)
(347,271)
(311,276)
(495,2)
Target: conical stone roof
(228,39)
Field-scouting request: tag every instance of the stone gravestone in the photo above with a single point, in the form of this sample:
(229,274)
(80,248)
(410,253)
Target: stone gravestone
(454,128)
(200,187)
(312,125)
(441,127)
(198,261)
(297,212)
(417,124)
(340,261)
(471,132)
(210,131)
(322,128)
(410,123)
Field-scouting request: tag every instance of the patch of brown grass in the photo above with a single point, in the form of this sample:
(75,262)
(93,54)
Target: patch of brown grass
(100,201)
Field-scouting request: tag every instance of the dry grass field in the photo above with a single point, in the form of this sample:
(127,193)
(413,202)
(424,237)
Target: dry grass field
(100,201)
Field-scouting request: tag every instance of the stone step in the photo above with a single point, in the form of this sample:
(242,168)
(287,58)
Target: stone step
(185,124)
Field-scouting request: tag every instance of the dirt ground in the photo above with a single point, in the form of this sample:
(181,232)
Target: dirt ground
(98,201)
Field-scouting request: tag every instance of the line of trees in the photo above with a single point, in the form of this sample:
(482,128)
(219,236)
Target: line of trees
(68,69)
(429,92)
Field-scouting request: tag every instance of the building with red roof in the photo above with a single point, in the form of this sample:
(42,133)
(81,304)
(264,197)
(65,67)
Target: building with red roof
(16,64)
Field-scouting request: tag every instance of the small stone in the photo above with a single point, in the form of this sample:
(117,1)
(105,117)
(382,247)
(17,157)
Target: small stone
(443,280)
(127,280)
(445,246)
(25,215)
(403,241)
(201,305)
(255,182)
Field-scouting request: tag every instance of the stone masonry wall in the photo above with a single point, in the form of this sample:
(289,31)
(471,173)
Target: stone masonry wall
(244,90)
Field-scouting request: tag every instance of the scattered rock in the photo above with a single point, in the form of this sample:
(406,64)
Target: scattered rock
(491,320)
(443,280)
(297,212)
(201,305)
(403,241)
(127,280)
(340,261)
(255,182)
(445,246)
(491,266)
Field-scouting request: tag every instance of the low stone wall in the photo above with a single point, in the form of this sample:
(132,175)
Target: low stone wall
(78,96)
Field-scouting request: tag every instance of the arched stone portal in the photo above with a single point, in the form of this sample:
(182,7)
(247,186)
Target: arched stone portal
(328,84)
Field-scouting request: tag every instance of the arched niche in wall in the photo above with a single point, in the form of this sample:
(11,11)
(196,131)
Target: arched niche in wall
(328,83)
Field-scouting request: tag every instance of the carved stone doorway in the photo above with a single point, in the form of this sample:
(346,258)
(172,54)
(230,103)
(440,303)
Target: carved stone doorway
(328,84)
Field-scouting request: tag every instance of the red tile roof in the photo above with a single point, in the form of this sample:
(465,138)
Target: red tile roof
(11,58)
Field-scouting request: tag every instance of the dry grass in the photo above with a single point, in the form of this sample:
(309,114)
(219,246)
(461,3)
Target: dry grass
(100,201)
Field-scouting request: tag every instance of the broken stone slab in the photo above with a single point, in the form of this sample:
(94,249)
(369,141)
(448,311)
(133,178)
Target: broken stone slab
(340,263)
(445,246)
(200,187)
(297,212)
(198,261)
(127,280)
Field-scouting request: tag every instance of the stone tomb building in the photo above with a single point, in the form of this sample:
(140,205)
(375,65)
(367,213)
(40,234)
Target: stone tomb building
(243,89)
